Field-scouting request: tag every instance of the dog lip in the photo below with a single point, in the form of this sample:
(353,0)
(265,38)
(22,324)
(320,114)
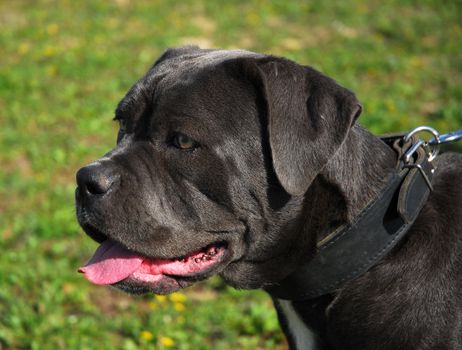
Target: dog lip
(217,244)
(200,262)
(222,260)
(133,283)
(93,232)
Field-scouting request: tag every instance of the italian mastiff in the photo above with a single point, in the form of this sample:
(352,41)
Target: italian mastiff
(253,167)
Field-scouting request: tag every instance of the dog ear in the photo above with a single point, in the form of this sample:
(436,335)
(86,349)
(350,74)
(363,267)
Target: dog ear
(309,116)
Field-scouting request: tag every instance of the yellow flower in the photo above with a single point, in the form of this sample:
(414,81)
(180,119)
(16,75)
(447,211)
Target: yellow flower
(167,342)
(146,335)
(152,306)
(179,307)
(161,298)
(49,51)
(178,297)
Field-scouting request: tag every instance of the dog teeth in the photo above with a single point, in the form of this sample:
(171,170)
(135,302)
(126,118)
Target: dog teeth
(202,259)
(206,255)
(212,251)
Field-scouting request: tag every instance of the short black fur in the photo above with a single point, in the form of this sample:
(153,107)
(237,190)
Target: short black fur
(280,164)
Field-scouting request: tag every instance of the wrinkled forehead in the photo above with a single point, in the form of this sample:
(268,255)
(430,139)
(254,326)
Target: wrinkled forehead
(195,84)
(201,86)
(200,71)
(185,66)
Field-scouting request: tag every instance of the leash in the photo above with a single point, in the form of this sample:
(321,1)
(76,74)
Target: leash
(353,249)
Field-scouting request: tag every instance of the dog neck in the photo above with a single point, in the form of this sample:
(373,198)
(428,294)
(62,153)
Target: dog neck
(350,180)
(355,176)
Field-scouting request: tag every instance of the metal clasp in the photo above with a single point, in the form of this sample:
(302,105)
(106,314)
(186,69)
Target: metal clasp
(449,137)
(431,148)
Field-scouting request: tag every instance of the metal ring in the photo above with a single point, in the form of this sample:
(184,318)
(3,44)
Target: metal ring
(435,144)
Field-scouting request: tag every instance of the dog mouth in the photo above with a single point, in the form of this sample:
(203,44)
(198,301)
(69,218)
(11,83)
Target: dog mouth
(113,264)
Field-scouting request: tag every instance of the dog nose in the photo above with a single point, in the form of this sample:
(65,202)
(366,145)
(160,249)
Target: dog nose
(96,178)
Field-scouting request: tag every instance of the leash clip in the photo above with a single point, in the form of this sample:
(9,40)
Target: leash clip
(431,148)
(449,137)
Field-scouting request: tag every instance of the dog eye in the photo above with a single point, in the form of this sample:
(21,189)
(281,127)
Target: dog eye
(184,142)
(122,125)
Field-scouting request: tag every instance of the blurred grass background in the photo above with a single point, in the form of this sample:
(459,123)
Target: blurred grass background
(64,65)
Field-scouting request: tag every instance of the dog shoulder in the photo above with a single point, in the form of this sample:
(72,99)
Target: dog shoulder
(448,183)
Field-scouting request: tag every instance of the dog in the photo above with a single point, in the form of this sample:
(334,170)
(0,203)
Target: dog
(238,164)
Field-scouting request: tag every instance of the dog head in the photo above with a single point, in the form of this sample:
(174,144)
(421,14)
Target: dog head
(215,154)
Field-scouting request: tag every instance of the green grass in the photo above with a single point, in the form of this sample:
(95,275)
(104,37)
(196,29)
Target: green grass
(63,68)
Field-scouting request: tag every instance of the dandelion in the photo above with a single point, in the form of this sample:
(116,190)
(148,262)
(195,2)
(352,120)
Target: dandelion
(146,335)
(178,297)
(161,298)
(49,51)
(179,307)
(167,342)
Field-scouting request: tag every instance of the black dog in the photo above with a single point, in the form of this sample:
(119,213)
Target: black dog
(239,164)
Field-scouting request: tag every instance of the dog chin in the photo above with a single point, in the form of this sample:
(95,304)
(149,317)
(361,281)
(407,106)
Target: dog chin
(165,285)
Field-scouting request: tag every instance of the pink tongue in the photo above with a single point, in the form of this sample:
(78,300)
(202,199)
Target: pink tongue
(111,263)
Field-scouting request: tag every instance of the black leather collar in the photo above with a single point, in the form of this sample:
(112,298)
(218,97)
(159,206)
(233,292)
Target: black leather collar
(353,249)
